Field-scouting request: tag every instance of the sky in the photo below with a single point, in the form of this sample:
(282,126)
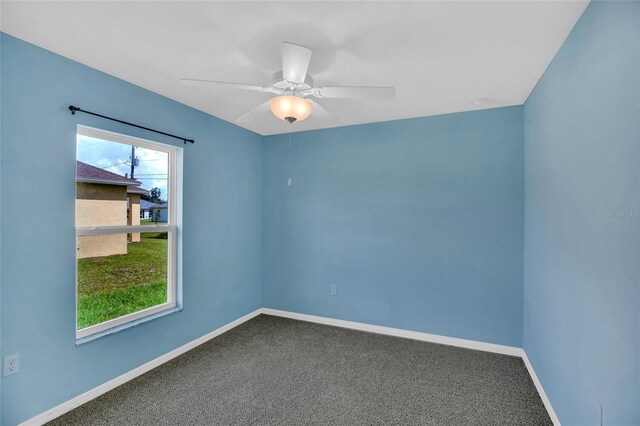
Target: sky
(116,158)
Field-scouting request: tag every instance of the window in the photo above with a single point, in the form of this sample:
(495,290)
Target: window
(125,264)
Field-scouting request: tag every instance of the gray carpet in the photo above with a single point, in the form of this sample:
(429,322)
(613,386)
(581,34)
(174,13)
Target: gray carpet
(275,371)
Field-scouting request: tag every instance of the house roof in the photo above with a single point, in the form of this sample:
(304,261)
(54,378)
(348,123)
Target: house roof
(88,173)
(131,189)
(146,205)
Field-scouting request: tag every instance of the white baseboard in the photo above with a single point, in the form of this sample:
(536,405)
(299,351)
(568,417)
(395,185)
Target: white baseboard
(69,405)
(540,389)
(407,334)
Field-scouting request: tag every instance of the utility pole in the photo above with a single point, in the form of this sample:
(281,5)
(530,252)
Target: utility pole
(133,160)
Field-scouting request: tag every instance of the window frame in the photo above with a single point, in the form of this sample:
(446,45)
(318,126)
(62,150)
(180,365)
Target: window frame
(171,227)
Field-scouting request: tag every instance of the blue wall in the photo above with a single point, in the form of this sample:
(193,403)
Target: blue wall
(221,235)
(419,224)
(582,265)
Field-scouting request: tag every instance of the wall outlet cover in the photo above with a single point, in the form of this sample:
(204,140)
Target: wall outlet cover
(11,364)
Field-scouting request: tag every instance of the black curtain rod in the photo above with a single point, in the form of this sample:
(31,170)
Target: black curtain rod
(75,109)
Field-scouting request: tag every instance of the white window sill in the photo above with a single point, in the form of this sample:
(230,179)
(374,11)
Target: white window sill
(119,328)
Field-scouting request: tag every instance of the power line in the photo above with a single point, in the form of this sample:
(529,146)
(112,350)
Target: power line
(92,144)
(113,165)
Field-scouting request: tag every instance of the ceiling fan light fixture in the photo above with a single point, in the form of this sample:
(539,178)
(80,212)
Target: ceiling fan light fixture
(290,108)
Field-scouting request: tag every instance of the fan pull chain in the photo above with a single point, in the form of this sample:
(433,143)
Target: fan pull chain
(290,181)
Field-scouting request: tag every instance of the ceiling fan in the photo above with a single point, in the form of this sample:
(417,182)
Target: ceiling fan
(293,87)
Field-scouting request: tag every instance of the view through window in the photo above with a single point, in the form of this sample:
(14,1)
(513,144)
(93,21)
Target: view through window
(125,192)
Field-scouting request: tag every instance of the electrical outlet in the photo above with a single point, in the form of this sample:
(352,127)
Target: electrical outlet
(11,364)
(334,290)
(597,413)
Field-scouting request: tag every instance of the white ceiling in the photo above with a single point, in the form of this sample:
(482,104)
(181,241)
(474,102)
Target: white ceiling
(441,56)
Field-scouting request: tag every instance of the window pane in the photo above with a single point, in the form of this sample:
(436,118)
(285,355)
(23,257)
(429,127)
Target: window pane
(121,184)
(117,277)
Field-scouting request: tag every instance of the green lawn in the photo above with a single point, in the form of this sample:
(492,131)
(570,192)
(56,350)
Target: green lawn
(112,286)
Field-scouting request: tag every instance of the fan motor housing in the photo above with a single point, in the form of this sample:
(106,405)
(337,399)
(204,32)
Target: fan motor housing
(279,83)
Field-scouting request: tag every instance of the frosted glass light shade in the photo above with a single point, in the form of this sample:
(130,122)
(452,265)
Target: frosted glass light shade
(290,108)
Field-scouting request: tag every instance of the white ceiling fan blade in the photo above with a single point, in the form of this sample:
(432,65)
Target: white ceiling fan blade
(322,114)
(295,61)
(226,84)
(254,113)
(354,92)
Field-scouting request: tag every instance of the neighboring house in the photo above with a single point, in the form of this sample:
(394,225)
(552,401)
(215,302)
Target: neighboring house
(159,213)
(145,209)
(134,192)
(104,198)
(153,211)
(149,209)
